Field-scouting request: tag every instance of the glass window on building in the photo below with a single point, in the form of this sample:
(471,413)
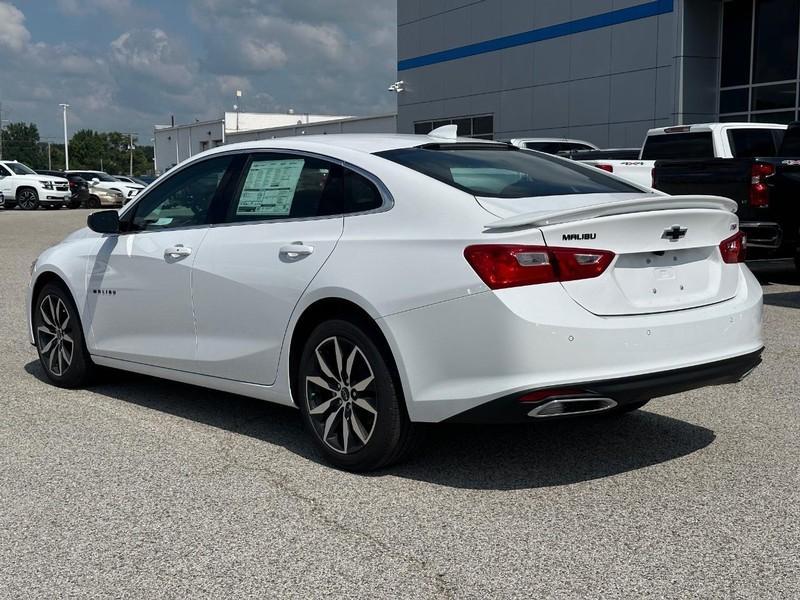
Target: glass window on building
(759,71)
(481,127)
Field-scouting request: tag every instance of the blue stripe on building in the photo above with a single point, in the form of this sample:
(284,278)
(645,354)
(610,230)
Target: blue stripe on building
(615,17)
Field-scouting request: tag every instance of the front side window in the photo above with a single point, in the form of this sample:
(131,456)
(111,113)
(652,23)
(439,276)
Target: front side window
(182,200)
(505,172)
(284,186)
(20,169)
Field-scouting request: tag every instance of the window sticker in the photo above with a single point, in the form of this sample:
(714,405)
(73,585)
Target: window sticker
(269,188)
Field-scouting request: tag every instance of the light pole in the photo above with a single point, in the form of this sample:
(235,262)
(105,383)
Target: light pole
(66,142)
(1,136)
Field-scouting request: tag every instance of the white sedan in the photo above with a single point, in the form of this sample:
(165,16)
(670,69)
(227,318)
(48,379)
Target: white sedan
(382,282)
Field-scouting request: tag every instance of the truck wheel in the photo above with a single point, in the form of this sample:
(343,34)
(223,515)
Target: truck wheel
(28,198)
(93,202)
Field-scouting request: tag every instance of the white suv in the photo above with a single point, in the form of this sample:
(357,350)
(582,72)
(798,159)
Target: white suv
(21,185)
(103,180)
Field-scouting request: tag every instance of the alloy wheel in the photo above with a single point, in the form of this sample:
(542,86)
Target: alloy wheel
(341,395)
(54,335)
(27,199)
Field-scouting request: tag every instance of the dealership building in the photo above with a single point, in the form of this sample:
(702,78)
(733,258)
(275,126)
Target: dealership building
(601,70)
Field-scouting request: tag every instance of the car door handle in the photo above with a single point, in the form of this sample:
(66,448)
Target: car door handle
(177,251)
(296,250)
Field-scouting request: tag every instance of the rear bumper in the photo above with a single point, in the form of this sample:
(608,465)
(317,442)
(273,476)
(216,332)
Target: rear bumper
(624,390)
(459,355)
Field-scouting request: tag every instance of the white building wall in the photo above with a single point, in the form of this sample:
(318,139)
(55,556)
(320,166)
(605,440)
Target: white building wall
(378,124)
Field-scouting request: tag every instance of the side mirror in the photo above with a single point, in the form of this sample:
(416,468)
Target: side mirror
(104,221)
(95,180)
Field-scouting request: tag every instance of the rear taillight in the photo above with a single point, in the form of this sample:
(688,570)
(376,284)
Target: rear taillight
(759,190)
(734,249)
(606,167)
(504,266)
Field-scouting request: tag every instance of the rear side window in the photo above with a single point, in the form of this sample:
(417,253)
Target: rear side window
(678,146)
(548,147)
(749,143)
(360,193)
(505,172)
(284,186)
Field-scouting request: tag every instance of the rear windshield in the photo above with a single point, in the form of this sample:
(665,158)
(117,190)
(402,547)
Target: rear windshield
(505,172)
(749,143)
(678,146)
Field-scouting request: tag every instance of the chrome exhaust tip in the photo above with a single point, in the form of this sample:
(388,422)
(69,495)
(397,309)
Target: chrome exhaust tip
(572,406)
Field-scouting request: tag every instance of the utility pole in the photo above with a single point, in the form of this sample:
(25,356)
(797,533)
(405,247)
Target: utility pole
(49,158)
(66,141)
(130,146)
(1,131)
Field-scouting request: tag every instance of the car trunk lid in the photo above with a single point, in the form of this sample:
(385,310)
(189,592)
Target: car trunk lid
(666,250)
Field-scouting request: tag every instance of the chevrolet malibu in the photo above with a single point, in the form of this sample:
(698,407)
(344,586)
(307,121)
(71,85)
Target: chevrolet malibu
(382,282)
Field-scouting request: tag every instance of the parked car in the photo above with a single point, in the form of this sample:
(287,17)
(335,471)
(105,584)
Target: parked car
(701,141)
(24,187)
(101,197)
(102,179)
(552,145)
(77,185)
(380,282)
(603,154)
(129,179)
(763,179)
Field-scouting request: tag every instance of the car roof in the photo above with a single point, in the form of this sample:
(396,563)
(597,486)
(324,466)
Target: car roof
(368,143)
(699,127)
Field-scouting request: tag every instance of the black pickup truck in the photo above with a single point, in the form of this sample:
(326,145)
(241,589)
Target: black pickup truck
(766,187)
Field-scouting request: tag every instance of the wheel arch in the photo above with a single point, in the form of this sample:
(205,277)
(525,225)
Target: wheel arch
(325,309)
(25,186)
(42,279)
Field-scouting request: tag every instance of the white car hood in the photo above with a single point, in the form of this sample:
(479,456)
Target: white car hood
(81,234)
(61,180)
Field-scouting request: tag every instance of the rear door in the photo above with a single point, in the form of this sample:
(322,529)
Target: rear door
(283,221)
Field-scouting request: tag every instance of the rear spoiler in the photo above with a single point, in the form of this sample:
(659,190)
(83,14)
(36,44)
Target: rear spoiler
(646,204)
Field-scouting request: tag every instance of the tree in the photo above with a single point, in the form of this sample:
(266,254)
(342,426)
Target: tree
(21,143)
(108,151)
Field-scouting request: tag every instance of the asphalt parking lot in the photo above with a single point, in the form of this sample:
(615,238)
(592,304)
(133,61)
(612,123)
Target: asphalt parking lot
(144,488)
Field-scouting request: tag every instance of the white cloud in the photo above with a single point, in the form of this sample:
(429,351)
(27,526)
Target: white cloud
(313,55)
(13,33)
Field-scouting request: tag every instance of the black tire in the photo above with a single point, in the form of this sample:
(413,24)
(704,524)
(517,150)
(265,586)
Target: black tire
(57,326)
(367,423)
(27,198)
(93,202)
(797,261)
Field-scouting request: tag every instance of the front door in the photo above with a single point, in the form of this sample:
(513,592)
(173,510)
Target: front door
(139,304)
(282,223)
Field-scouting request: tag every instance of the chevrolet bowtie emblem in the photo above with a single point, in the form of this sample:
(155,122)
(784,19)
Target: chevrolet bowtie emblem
(674,233)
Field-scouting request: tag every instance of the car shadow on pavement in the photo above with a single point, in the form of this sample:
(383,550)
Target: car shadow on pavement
(493,457)
(785,299)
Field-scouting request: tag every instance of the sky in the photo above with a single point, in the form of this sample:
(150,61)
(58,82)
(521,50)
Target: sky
(126,65)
